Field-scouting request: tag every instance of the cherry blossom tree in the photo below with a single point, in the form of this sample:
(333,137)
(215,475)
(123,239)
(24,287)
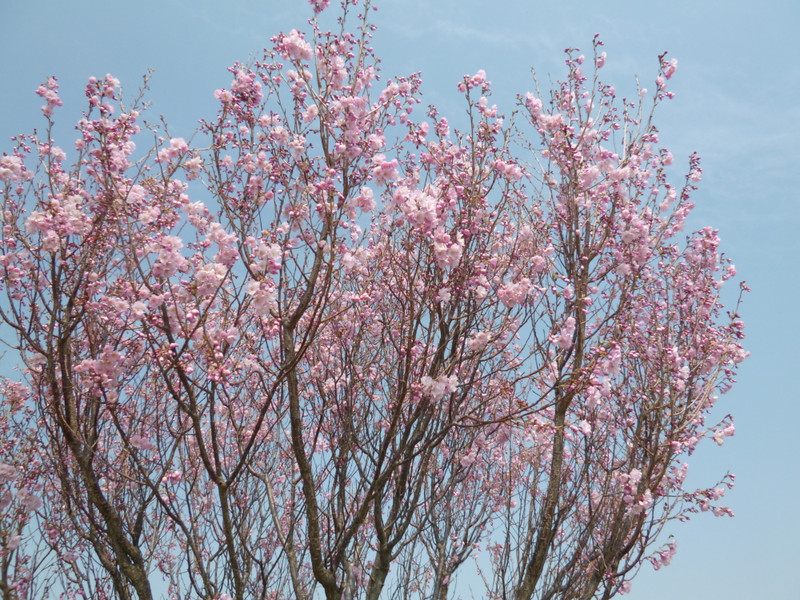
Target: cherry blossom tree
(334,347)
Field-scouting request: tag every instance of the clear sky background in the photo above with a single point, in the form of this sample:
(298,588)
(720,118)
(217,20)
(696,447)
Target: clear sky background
(737,85)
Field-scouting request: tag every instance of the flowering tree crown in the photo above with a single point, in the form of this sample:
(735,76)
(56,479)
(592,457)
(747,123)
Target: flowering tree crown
(341,349)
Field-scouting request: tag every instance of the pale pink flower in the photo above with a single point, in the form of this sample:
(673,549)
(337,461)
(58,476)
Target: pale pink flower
(149,215)
(512,294)
(479,341)
(247,88)
(294,46)
(138,309)
(443,295)
(310,114)
(564,337)
(28,501)
(588,176)
(634,477)
(267,258)
(446,250)
(263,297)
(280,134)
(319,6)
(365,200)
(552,123)
(670,67)
(209,278)
(384,170)
(7,473)
(141,443)
(192,167)
(49,91)
(13,542)
(12,169)
(51,242)
(538,264)
(468,460)
(173,476)
(223,96)
(169,259)
(601,60)
(438,388)
(533,104)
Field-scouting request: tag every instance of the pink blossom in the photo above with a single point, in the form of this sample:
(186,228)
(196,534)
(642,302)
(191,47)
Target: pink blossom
(209,278)
(384,170)
(13,542)
(335,70)
(446,250)
(365,200)
(12,169)
(267,258)
(141,442)
(173,476)
(479,341)
(223,96)
(263,297)
(294,46)
(298,146)
(51,242)
(438,388)
(670,67)
(443,128)
(198,215)
(443,295)
(538,264)
(28,501)
(310,114)
(280,134)
(169,259)
(510,170)
(192,167)
(7,473)
(720,434)
(138,309)
(319,5)
(149,215)
(477,80)
(512,294)
(601,60)
(468,460)
(588,176)
(664,556)
(534,105)
(376,142)
(49,91)
(564,337)
(246,88)
(552,123)
(177,146)
(634,477)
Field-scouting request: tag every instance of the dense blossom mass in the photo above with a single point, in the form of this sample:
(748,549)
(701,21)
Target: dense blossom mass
(337,347)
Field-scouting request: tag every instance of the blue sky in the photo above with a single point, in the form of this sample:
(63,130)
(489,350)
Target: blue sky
(737,89)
